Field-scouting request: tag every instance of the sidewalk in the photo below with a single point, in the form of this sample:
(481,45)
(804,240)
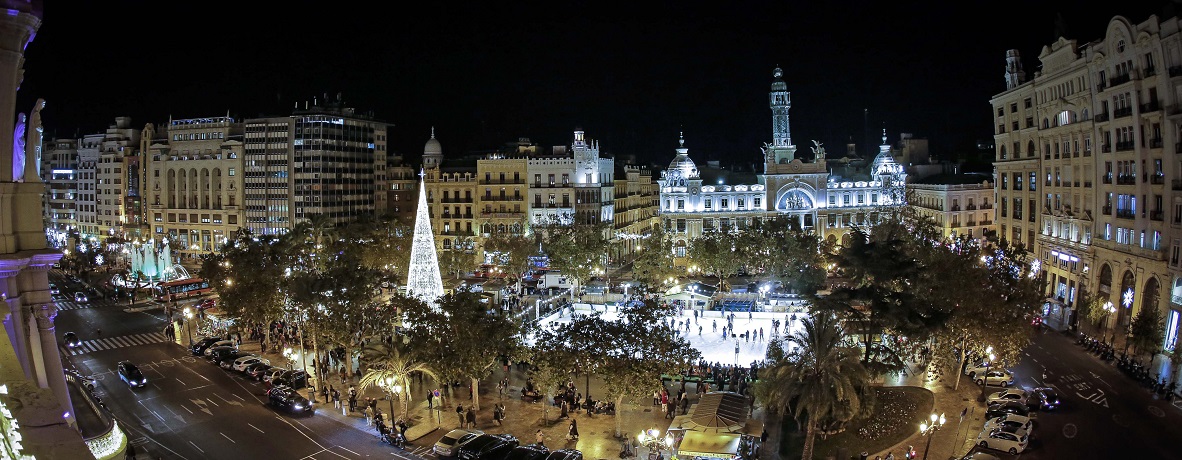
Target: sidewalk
(955,438)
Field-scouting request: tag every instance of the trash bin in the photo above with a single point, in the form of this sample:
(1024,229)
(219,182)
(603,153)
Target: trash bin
(864,455)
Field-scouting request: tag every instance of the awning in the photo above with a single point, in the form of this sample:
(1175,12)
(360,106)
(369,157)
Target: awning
(710,445)
(721,411)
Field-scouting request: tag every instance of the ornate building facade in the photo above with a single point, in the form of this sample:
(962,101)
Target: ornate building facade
(692,203)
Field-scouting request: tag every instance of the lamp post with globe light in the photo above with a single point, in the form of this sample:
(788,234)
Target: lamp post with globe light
(929,430)
(1108,310)
(188,325)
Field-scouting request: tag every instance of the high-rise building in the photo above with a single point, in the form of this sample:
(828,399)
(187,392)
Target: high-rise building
(695,201)
(117,180)
(325,159)
(59,172)
(1083,162)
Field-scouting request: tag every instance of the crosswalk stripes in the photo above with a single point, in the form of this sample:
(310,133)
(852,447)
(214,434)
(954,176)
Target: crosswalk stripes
(110,343)
(71,305)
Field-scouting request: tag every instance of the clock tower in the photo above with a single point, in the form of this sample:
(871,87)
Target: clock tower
(780,150)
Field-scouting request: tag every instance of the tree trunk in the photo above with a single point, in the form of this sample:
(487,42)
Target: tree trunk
(959,362)
(619,419)
(475,394)
(810,436)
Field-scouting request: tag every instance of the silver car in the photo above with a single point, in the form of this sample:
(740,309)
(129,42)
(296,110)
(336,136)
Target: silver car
(450,443)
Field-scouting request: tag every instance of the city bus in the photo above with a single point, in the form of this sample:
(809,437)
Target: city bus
(180,289)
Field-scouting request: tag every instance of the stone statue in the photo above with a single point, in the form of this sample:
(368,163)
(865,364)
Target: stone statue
(818,150)
(18,149)
(33,143)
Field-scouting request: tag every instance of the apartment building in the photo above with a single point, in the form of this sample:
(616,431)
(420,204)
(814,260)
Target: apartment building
(959,204)
(86,211)
(635,210)
(501,194)
(1092,138)
(117,181)
(194,183)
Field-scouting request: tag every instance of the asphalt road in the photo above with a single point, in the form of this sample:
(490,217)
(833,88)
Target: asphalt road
(1104,414)
(191,409)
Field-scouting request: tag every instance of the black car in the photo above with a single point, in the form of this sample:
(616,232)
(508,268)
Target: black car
(1008,407)
(287,398)
(1043,398)
(530,452)
(218,354)
(131,374)
(71,339)
(565,454)
(488,447)
(296,379)
(200,346)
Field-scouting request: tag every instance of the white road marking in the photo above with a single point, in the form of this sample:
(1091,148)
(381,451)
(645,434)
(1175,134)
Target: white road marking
(349,451)
(198,448)
(227,437)
(186,408)
(256,428)
(322,448)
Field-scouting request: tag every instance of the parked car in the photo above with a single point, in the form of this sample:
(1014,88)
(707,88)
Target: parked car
(529,452)
(295,378)
(71,339)
(130,373)
(487,447)
(226,361)
(1005,439)
(240,364)
(1012,394)
(79,297)
(200,346)
(271,374)
(980,456)
(453,440)
(1043,398)
(995,377)
(219,344)
(565,454)
(217,354)
(1009,407)
(289,399)
(206,304)
(1023,424)
(256,370)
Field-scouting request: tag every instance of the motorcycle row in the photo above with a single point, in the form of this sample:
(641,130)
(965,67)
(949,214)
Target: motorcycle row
(1131,367)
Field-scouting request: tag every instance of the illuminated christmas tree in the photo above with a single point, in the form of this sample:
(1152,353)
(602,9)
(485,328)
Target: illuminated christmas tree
(423,279)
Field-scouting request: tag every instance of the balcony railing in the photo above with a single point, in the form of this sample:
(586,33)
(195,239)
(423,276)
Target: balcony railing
(1124,146)
(1122,112)
(1156,215)
(1157,179)
(1107,210)
(1124,78)
(1100,117)
(1126,214)
(986,206)
(1155,143)
(1107,148)
(1151,106)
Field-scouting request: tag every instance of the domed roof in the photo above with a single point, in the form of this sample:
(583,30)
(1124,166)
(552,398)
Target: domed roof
(682,165)
(432,147)
(885,163)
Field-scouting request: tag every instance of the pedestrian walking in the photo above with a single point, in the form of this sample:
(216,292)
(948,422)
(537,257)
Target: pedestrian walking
(368,415)
(714,324)
(336,398)
(460,414)
(430,399)
(699,330)
(572,432)
(471,417)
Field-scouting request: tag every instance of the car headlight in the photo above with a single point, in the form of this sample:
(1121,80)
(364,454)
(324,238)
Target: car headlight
(299,406)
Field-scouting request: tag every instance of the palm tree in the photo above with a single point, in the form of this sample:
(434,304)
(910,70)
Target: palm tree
(822,378)
(389,365)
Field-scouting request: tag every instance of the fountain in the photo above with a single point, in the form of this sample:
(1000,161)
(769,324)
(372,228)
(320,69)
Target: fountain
(150,262)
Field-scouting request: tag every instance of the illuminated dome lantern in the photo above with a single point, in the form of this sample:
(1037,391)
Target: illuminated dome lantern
(682,167)
(432,152)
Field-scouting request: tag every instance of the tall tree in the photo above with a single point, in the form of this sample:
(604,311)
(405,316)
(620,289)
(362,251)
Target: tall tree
(575,248)
(462,337)
(460,258)
(717,253)
(1147,329)
(821,380)
(513,251)
(654,259)
(250,274)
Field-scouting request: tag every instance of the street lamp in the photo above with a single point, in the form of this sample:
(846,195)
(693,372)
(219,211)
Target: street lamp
(985,378)
(188,329)
(290,355)
(649,439)
(926,429)
(391,388)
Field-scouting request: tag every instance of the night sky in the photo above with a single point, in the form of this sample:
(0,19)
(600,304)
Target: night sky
(631,76)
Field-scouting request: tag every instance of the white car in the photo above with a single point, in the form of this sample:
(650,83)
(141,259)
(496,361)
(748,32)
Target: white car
(79,297)
(54,290)
(272,373)
(450,443)
(240,364)
(995,377)
(220,343)
(1006,439)
(1022,425)
(1012,394)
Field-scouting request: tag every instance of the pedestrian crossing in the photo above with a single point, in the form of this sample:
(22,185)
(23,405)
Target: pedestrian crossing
(64,304)
(110,343)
